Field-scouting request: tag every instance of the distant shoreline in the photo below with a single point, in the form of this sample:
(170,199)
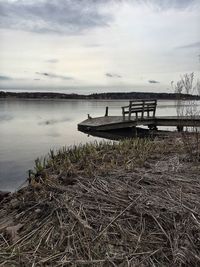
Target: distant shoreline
(98,96)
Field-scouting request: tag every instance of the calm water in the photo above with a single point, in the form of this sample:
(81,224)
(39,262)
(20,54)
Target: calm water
(30,128)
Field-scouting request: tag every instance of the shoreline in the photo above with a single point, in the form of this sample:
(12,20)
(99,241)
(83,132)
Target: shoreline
(136,201)
(100,96)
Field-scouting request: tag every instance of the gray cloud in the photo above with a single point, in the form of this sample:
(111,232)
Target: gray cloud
(153,81)
(168,4)
(188,46)
(113,75)
(63,16)
(53,60)
(53,75)
(69,16)
(5,78)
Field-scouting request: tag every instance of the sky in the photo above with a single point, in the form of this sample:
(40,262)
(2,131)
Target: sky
(113,45)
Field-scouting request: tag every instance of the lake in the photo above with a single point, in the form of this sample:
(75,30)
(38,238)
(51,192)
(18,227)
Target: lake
(30,128)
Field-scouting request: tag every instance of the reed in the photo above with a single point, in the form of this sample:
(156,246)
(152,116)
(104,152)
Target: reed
(95,158)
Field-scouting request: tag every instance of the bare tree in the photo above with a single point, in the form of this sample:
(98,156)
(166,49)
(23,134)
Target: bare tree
(190,108)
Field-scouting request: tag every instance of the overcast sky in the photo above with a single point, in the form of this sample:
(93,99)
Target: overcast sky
(133,44)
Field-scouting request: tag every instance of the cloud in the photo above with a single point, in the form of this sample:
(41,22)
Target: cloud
(93,45)
(188,46)
(53,75)
(63,16)
(5,78)
(165,5)
(71,16)
(153,81)
(113,75)
(170,4)
(53,60)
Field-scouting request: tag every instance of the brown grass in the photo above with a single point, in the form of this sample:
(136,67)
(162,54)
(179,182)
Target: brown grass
(135,203)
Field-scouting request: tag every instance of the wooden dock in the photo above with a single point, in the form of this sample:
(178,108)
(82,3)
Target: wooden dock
(138,113)
(117,122)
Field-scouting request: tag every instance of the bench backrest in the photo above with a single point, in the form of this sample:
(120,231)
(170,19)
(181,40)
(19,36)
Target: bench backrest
(140,108)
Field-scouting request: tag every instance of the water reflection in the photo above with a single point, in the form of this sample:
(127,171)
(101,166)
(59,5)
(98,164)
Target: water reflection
(5,117)
(30,128)
(50,121)
(121,134)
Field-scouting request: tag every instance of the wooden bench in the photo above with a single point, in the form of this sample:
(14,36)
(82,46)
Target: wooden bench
(140,108)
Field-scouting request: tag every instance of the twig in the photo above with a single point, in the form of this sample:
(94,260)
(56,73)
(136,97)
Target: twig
(114,219)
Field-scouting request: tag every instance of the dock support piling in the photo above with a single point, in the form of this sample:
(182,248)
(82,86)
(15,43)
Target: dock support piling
(129,114)
(180,128)
(106,113)
(134,131)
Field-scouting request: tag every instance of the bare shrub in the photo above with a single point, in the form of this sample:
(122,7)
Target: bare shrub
(190,108)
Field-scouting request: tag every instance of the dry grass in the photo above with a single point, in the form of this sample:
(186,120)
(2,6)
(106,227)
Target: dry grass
(135,203)
(93,158)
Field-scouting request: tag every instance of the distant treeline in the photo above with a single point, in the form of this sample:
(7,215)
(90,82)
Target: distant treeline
(131,95)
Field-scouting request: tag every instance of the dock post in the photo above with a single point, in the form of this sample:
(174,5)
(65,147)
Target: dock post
(180,128)
(106,113)
(89,117)
(129,114)
(154,112)
(123,113)
(143,103)
(134,131)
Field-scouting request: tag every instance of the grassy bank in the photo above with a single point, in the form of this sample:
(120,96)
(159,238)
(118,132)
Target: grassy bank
(132,203)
